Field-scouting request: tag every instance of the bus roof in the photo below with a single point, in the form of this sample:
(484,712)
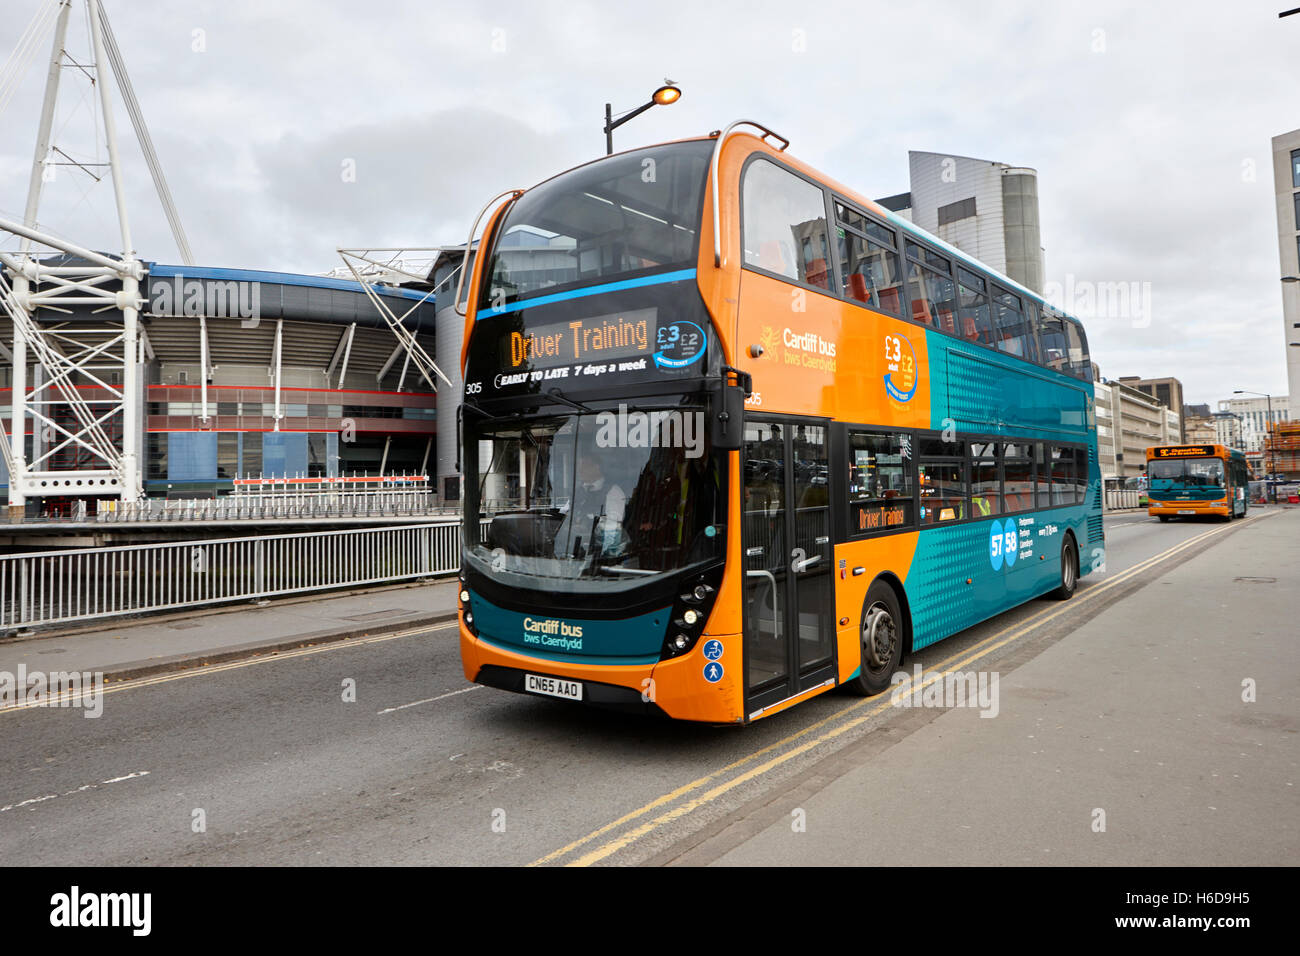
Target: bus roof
(907,226)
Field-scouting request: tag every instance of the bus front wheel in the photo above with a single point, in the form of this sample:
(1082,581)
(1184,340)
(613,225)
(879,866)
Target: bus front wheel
(882,637)
(1069,570)
(1163,518)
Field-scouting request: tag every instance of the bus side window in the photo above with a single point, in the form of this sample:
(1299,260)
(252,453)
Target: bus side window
(944,487)
(1081,464)
(1080,360)
(1064,475)
(1052,337)
(871,273)
(1018,476)
(937,297)
(1014,327)
(985,480)
(880,483)
(976,322)
(1043,467)
(778,207)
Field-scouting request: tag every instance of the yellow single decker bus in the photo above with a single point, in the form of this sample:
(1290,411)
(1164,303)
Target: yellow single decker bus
(1184,481)
(733,435)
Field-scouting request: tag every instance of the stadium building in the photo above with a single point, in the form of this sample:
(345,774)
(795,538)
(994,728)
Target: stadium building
(247,373)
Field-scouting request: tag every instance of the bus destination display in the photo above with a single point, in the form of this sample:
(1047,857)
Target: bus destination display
(1185,451)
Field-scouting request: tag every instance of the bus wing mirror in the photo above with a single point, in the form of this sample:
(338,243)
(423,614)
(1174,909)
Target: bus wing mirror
(727,421)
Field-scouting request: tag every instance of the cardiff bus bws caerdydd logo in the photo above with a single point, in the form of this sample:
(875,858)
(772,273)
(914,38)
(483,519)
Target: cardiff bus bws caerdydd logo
(900,368)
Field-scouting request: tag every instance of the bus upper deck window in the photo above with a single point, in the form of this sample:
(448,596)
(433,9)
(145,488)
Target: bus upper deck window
(784,225)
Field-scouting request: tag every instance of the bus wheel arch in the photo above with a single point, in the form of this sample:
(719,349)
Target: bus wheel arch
(886,620)
(1069,567)
(891,579)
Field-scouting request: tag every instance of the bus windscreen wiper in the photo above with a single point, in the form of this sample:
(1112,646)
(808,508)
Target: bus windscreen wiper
(559,396)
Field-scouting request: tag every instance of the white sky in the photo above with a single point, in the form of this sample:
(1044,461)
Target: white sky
(1144,121)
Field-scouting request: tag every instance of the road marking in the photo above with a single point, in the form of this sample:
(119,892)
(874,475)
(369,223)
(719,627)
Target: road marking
(266,658)
(962,658)
(82,789)
(430,700)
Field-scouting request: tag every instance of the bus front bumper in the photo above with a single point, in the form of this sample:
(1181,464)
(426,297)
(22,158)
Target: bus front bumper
(673,688)
(1219,507)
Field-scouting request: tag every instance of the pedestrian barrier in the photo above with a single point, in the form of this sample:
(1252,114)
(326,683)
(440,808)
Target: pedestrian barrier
(337,504)
(1118,498)
(86,584)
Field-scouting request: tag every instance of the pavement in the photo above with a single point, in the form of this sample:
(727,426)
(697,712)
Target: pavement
(1165,731)
(145,646)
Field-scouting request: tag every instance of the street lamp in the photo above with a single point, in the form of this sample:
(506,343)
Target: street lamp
(1272,487)
(666,95)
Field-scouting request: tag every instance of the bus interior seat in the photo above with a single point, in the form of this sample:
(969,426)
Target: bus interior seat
(858,287)
(890,300)
(921,312)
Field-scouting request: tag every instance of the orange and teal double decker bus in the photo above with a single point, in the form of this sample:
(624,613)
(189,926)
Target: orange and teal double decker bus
(734,435)
(1190,480)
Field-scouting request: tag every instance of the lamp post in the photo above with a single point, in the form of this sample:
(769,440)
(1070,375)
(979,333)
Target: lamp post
(664,96)
(1268,445)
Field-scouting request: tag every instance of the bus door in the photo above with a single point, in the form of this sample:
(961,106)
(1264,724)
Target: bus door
(789,578)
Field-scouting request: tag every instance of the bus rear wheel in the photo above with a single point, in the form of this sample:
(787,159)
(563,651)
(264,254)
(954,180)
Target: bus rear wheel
(882,632)
(1069,570)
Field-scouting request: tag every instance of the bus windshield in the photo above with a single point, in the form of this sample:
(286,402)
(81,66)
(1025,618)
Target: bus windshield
(603,497)
(1186,473)
(626,216)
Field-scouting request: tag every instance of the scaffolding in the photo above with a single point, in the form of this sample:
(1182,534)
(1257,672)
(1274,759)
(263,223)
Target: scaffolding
(1282,449)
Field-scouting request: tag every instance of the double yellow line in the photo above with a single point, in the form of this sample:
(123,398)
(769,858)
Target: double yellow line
(65,698)
(937,673)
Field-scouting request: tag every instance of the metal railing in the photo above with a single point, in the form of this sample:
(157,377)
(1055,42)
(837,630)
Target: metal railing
(288,505)
(67,586)
(1118,498)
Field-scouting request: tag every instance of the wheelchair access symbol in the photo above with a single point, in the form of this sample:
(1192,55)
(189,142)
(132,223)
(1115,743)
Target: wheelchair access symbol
(713,672)
(713,649)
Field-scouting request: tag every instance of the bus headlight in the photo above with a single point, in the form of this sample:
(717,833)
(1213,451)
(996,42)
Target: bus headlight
(690,613)
(464,596)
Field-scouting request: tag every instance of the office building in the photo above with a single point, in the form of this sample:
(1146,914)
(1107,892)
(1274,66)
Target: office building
(1129,421)
(1252,412)
(1167,391)
(986,209)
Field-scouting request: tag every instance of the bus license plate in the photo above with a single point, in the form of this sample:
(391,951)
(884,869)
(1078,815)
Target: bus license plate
(1187,512)
(553,687)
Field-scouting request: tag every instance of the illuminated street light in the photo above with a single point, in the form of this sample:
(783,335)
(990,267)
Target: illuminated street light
(666,95)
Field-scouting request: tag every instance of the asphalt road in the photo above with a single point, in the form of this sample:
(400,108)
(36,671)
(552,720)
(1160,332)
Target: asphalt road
(423,768)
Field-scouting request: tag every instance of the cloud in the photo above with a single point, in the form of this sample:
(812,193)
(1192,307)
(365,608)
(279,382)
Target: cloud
(1139,119)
